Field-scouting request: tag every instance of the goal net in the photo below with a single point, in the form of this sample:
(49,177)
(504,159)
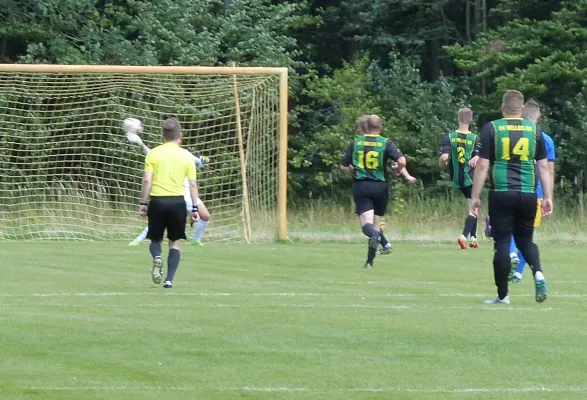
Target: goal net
(69,173)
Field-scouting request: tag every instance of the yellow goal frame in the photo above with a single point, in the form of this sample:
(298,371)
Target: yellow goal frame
(282,72)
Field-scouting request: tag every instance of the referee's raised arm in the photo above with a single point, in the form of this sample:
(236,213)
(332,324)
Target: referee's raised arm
(162,198)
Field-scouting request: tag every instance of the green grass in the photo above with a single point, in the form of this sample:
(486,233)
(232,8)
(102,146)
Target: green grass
(298,321)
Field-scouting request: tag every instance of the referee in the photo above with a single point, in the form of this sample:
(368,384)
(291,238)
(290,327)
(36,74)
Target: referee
(166,168)
(366,158)
(509,147)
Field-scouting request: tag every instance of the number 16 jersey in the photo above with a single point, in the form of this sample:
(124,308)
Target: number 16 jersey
(369,154)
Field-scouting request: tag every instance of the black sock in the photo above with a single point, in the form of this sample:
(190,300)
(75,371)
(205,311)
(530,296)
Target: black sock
(474,230)
(470,225)
(501,266)
(530,252)
(172,263)
(383,240)
(155,249)
(368,230)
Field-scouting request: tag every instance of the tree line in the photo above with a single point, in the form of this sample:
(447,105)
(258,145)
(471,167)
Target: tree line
(413,62)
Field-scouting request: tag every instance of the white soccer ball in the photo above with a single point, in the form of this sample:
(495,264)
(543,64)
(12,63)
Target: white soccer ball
(132,125)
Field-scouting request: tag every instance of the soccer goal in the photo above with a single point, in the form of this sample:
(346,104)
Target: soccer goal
(67,171)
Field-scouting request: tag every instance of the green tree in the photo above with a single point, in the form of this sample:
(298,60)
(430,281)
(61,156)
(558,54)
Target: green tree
(545,59)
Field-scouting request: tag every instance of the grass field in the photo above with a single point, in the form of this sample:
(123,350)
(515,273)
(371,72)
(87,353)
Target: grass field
(291,321)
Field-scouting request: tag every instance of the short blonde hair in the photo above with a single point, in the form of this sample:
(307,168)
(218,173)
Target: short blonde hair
(465,115)
(362,123)
(513,102)
(531,110)
(374,123)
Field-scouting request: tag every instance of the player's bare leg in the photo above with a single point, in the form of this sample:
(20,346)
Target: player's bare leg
(201,224)
(367,221)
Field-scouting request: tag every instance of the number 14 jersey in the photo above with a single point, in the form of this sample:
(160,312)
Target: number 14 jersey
(511,145)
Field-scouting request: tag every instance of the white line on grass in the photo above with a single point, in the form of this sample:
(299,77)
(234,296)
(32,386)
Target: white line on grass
(279,294)
(390,283)
(307,305)
(287,389)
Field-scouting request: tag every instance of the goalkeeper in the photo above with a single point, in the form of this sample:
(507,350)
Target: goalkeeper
(202,223)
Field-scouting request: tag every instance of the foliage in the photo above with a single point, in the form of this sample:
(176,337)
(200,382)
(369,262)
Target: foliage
(346,58)
(545,59)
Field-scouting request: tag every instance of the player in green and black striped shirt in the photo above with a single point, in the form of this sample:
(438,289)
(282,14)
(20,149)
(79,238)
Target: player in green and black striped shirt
(509,147)
(460,152)
(366,157)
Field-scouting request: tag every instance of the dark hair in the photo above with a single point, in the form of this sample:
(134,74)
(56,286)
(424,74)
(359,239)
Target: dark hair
(171,129)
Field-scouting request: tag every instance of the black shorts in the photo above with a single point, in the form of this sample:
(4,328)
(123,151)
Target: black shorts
(512,213)
(371,195)
(166,213)
(467,191)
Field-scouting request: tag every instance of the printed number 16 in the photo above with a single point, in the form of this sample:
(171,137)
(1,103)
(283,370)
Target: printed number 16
(370,160)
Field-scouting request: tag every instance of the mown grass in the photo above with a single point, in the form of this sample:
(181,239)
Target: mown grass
(297,321)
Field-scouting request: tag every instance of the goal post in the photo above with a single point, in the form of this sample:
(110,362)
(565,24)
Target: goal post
(68,172)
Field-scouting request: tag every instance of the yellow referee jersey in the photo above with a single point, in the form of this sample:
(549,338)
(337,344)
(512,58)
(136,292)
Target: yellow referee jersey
(170,165)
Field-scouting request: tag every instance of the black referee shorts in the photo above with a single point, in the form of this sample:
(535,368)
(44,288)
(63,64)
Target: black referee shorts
(512,213)
(371,195)
(166,213)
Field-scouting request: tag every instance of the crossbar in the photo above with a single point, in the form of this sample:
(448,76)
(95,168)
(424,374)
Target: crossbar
(131,69)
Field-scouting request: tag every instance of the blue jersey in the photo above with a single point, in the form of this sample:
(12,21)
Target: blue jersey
(550,156)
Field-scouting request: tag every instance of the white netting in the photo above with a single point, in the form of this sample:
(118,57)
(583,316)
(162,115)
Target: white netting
(68,171)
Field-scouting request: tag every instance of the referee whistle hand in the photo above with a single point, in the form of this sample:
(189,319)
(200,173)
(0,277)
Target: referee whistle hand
(143,211)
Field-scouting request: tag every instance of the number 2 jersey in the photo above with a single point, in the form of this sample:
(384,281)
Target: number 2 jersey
(461,147)
(511,145)
(369,155)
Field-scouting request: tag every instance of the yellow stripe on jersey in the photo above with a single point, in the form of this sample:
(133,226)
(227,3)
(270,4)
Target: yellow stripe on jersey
(170,165)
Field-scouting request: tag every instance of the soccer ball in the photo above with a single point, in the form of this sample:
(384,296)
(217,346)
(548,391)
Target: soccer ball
(132,125)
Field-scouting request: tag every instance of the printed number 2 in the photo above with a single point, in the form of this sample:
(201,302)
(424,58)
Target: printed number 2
(371,160)
(521,148)
(461,154)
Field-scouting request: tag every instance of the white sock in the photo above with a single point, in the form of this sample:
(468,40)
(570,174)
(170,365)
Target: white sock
(513,255)
(143,234)
(199,231)
(539,275)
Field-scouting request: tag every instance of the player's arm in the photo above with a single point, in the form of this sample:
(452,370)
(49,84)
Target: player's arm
(551,158)
(201,161)
(393,153)
(191,174)
(486,151)
(146,185)
(136,139)
(475,158)
(346,164)
(406,175)
(444,151)
(543,174)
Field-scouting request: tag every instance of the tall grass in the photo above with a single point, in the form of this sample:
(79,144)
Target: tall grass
(427,220)
(67,212)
